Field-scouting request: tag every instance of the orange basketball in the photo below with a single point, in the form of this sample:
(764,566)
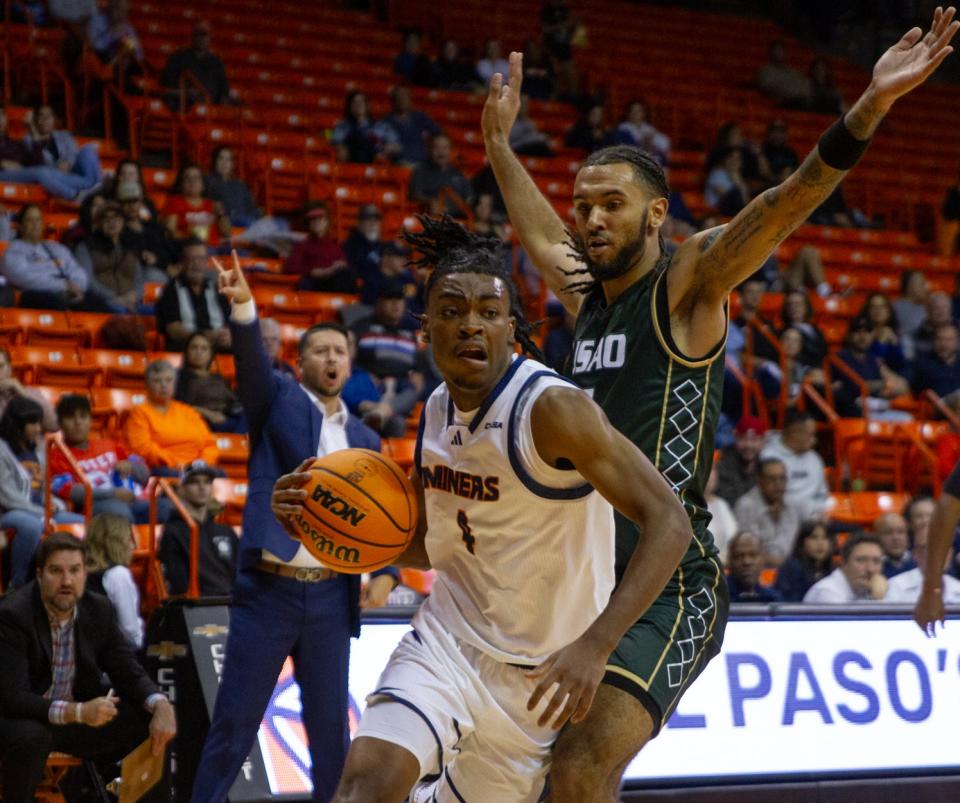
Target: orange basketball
(360,511)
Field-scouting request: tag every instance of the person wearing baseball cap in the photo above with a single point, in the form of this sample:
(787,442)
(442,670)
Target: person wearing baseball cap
(319,259)
(737,467)
(364,244)
(217,542)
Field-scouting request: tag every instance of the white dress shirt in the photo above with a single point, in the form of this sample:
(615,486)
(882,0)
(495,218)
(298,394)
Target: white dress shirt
(333,438)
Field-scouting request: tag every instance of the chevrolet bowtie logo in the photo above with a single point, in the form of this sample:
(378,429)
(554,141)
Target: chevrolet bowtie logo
(166,650)
(210,631)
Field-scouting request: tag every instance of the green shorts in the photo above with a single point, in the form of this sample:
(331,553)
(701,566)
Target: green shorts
(662,654)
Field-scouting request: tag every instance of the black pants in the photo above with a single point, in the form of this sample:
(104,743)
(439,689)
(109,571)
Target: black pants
(26,743)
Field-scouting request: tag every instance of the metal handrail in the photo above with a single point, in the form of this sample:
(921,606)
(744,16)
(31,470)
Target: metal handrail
(162,485)
(54,441)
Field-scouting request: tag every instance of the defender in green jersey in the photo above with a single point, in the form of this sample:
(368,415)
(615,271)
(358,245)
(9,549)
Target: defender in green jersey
(649,343)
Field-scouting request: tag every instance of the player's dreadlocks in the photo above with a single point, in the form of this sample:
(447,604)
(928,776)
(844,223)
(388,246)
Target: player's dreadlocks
(648,172)
(446,247)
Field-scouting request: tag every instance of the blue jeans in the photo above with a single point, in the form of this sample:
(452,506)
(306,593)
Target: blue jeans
(29,528)
(84,174)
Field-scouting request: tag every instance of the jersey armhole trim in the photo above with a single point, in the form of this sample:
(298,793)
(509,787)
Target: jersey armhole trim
(495,393)
(417,459)
(660,308)
(577,492)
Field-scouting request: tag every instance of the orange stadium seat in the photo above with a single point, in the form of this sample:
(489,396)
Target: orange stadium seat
(234,451)
(119,369)
(52,365)
(111,405)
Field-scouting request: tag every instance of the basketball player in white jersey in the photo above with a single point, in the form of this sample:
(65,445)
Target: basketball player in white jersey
(517,469)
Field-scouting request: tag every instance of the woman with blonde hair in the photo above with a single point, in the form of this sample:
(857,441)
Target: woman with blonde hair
(109,547)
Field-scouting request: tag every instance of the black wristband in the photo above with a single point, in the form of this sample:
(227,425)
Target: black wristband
(839,149)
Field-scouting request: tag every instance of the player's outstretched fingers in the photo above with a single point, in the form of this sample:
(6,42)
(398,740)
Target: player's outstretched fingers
(543,672)
(572,706)
(296,479)
(516,72)
(560,696)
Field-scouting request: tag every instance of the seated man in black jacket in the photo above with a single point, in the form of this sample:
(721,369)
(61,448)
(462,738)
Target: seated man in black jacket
(56,644)
(217,557)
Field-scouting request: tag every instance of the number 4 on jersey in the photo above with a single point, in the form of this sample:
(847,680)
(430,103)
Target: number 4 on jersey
(466,532)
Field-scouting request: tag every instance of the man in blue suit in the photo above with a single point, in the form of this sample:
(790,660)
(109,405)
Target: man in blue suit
(284,601)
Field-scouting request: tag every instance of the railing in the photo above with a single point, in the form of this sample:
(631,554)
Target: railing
(834,363)
(155,488)
(55,443)
(749,392)
(938,404)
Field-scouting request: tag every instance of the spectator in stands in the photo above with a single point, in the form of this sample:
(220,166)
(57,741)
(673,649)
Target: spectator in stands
(525,138)
(64,169)
(410,64)
(387,348)
(14,154)
(859,578)
(370,399)
(805,270)
(939,371)
(58,644)
(492,62)
(789,87)
(202,64)
(559,31)
(130,171)
(797,312)
(906,586)
(190,303)
(725,188)
(764,510)
(825,98)
(795,447)
(218,543)
(358,137)
(919,514)
(810,562)
(109,550)
(205,390)
(45,273)
(393,269)
(143,235)
(319,259)
(538,78)
(891,531)
(487,220)
(737,466)
(911,307)
(744,559)
(364,246)
(113,38)
(884,326)
(836,212)
(451,71)
(11,388)
(753,167)
(939,313)
(439,176)
(882,383)
(781,158)
(589,133)
(189,213)
(635,129)
(116,277)
(412,129)
(117,477)
(273,343)
(723,524)
(772,374)
(230,192)
(19,509)
(166,433)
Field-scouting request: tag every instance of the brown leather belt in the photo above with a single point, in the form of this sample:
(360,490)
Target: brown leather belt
(305,574)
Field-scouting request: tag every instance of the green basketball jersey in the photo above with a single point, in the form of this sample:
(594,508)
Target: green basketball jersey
(666,404)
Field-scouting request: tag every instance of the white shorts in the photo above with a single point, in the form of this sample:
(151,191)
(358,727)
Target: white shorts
(464,717)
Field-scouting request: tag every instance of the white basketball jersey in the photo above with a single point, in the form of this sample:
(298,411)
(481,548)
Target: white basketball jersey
(524,552)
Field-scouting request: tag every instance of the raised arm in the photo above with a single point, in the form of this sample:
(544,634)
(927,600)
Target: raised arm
(569,426)
(540,229)
(711,264)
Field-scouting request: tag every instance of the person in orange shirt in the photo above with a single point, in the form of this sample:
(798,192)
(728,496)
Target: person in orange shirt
(166,433)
